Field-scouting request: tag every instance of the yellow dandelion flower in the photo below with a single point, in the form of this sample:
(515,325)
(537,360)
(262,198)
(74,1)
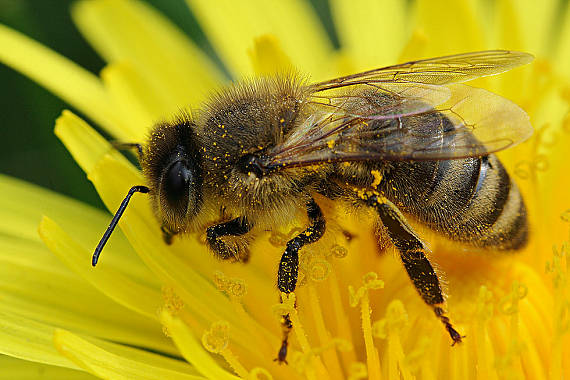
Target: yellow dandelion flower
(156,311)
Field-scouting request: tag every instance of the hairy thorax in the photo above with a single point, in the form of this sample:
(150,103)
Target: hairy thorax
(238,126)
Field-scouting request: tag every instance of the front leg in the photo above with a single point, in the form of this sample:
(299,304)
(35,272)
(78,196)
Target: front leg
(289,266)
(413,255)
(235,227)
(167,234)
(127,146)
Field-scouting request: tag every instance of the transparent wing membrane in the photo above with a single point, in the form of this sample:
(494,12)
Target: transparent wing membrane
(413,111)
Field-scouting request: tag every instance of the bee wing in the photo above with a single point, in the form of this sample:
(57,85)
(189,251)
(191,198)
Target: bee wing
(471,122)
(412,87)
(436,71)
(383,100)
(411,111)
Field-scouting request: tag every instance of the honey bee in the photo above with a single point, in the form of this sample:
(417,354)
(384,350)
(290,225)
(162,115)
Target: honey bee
(407,141)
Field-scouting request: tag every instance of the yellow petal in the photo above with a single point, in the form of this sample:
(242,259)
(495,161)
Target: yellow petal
(133,32)
(85,145)
(22,206)
(139,103)
(192,350)
(140,298)
(371,33)
(451,27)
(35,285)
(534,23)
(562,53)
(233,26)
(100,359)
(59,75)
(267,56)
(13,368)
(29,340)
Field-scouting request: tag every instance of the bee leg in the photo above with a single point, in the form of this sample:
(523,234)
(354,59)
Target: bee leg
(412,253)
(167,234)
(235,227)
(289,265)
(286,327)
(126,146)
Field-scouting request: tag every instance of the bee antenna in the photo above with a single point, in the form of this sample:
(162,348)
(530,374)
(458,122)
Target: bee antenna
(113,224)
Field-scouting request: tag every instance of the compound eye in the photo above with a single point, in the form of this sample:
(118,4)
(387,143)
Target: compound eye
(176,185)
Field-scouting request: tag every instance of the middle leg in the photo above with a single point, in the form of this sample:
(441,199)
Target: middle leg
(289,266)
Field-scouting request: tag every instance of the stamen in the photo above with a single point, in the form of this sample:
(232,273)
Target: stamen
(537,162)
(172,302)
(319,269)
(342,321)
(371,281)
(419,359)
(301,360)
(234,363)
(482,342)
(216,340)
(236,289)
(372,359)
(509,305)
(339,252)
(389,328)
(358,371)
(289,300)
(317,369)
(559,268)
(329,357)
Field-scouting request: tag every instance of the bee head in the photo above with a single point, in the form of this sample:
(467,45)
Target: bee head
(172,165)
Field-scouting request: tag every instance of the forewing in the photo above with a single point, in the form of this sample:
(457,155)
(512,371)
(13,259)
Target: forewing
(410,88)
(437,71)
(383,101)
(472,122)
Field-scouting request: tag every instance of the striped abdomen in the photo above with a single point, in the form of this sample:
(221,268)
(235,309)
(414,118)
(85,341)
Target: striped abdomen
(470,200)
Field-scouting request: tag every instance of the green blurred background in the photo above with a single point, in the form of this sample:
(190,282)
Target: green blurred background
(29,149)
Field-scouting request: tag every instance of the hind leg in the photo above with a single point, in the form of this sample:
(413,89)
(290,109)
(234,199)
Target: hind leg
(413,256)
